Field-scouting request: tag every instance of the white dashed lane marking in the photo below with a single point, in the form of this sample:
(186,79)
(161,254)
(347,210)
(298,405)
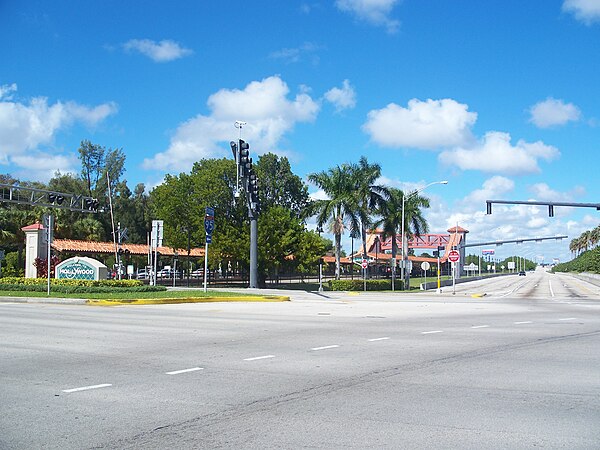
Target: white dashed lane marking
(480,326)
(256,358)
(177,372)
(379,339)
(431,332)
(86,388)
(325,347)
(523,322)
(569,318)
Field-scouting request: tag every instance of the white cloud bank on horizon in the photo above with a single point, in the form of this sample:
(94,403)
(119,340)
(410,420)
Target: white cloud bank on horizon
(552,112)
(24,127)
(163,51)
(374,12)
(342,98)
(586,11)
(268,112)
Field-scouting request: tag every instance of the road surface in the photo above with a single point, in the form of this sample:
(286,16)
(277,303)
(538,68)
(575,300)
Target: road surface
(516,368)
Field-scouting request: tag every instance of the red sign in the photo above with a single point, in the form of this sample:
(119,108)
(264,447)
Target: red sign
(453,256)
(364,264)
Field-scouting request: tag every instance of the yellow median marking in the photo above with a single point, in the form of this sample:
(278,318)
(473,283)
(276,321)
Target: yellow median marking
(176,300)
(478,295)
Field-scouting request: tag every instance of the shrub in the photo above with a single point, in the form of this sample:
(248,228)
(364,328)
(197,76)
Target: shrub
(588,261)
(40,284)
(358,285)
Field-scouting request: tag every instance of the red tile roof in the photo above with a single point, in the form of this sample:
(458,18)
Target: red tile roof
(71,245)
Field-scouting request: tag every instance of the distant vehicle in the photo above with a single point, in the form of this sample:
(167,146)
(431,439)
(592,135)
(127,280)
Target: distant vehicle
(522,273)
(198,273)
(142,274)
(168,273)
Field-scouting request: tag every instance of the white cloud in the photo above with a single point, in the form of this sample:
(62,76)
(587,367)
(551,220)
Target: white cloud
(552,112)
(496,154)
(6,91)
(493,189)
(342,98)
(543,193)
(375,12)
(163,51)
(426,124)
(262,104)
(42,166)
(586,11)
(319,195)
(25,126)
(297,54)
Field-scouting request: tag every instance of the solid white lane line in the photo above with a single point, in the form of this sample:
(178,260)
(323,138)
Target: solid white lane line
(525,321)
(378,339)
(481,326)
(177,372)
(325,348)
(259,357)
(569,318)
(550,285)
(431,332)
(86,388)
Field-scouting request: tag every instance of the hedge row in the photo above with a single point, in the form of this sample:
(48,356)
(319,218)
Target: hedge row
(358,285)
(66,282)
(588,261)
(74,289)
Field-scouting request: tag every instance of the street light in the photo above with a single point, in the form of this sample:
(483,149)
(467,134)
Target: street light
(404,197)
(320,230)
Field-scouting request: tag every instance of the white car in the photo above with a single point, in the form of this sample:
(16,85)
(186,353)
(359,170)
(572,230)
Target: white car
(198,273)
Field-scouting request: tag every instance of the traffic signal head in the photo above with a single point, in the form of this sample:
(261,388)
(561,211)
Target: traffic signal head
(55,198)
(234,150)
(91,204)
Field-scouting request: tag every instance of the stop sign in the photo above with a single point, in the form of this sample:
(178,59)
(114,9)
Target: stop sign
(453,256)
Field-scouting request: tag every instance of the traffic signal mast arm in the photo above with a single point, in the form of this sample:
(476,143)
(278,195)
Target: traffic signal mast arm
(550,205)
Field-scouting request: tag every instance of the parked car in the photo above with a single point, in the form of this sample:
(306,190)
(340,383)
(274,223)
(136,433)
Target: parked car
(168,273)
(142,274)
(198,273)
(522,273)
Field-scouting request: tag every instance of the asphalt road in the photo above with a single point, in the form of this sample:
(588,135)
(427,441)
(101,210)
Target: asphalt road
(516,368)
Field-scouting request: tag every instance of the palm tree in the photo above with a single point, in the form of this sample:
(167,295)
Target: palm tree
(339,207)
(414,222)
(574,246)
(390,219)
(368,195)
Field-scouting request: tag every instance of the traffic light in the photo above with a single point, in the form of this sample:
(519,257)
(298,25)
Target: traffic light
(91,204)
(253,191)
(234,150)
(244,159)
(55,198)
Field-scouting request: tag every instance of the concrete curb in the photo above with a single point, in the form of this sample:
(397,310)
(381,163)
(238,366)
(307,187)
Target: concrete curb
(179,300)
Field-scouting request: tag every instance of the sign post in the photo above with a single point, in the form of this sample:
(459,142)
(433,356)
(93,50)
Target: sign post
(425,266)
(209,226)
(364,264)
(454,258)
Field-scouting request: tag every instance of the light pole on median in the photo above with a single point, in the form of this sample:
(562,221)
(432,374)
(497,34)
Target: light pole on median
(320,230)
(404,253)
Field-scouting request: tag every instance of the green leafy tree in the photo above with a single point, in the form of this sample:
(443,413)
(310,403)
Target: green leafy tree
(279,186)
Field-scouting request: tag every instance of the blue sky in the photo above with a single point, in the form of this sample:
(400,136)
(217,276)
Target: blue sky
(500,98)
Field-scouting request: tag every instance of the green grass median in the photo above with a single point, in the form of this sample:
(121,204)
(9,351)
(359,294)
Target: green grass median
(151,298)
